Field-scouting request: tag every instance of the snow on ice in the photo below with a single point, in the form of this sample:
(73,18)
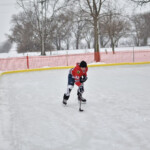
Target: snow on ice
(116,116)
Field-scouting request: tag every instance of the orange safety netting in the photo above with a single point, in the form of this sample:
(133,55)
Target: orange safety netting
(31,62)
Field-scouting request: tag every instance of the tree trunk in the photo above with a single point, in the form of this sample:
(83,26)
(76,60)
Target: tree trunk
(89,45)
(144,42)
(101,42)
(112,46)
(68,45)
(77,43)
(96,42)
(59,43)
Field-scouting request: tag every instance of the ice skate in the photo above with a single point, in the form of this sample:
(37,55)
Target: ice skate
(65,98)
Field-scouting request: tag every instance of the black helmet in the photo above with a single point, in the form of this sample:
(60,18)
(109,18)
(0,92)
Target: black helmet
(83,64)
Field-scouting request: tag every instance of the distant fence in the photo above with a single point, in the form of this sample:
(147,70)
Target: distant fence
(32,62)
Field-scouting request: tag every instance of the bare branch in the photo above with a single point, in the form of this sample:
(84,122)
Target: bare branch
(90,7)
(141,2)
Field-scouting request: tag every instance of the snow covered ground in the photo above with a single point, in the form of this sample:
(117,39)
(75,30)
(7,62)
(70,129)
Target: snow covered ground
(13,52)
(116,116)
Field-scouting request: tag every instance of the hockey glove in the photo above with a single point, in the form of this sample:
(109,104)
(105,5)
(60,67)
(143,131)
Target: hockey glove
(83,79)
(81,89)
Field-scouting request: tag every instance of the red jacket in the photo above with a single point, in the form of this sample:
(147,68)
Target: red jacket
(77,73)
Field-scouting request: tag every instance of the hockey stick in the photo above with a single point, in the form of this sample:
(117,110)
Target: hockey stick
(80,107)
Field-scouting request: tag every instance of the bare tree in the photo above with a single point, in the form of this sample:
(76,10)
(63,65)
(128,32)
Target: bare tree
(104,37)
(33,5)
(113,25)
(117,27)
(146,32)
(24,34)
(47,10)
(78,26)
(68,28)
(61,30)
(88,35)
(136,30)
(141,2)
(93,9)
(141,32)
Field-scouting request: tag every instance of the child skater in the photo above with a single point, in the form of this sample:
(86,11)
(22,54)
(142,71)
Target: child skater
(77,75)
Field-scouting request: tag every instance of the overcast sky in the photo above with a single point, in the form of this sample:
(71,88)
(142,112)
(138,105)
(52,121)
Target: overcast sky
(9,7)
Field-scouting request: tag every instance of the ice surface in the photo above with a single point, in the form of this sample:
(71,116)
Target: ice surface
(116,116)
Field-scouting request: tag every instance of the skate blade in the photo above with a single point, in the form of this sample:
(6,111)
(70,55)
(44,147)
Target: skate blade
(65,104)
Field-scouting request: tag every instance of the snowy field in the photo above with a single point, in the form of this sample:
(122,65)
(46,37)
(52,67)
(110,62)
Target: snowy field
(13,52)
(116,115)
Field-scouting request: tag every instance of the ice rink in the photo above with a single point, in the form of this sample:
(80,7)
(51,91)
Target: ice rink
(116,115)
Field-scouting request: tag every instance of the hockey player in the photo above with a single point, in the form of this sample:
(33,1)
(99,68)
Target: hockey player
(77,75)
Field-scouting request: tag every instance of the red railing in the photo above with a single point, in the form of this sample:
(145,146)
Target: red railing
(31,62)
